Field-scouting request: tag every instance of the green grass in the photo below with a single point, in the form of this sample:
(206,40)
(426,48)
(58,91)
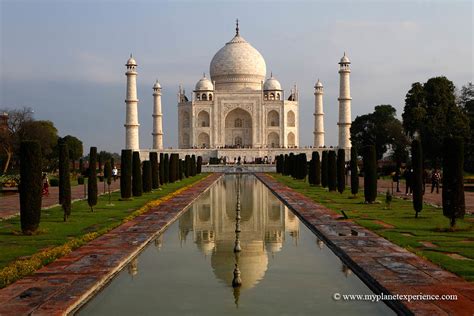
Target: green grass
(408,231)
(54,232)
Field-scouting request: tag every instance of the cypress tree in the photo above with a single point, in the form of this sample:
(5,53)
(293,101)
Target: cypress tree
(64,180)
(317,168)
(181,169)
(291,165)
(126,174)
(92,180)
(302,166)
(354,172)
(187,165)
(174,167)
(100,163)
(81,167)
(199,165)
(161,167)
(193,165)
(108,175)
(286,165)
(166,165)
(332,171)
(341,170)
(112,164)
(370,174)
(324,169)
(453,183)
(311,171)
(155,179)
(417,163)
(31,184)
(137,182)
(147,182)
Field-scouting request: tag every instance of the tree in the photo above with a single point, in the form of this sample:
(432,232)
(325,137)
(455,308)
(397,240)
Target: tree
(161,167)
(370,174)
(173,167)
(431,111)
(147,176)
(155,179)
(47,135)
(64,180)
(100,163)
(126,174)
(193,165)
(332,171)
(30,186)
(317,168)
(311,170)
(381,129)
(187,163)
(137,182)
(199,164)
(92,179)
(108,175)
(181,169)
(453,183)
(324,169)
(354,172)
(166,164)
(81,167)
(417,165)
(341,170)
(466,102)
(9,138)
(74,146)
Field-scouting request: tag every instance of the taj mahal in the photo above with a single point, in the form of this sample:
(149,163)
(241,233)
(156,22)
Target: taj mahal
(238,109)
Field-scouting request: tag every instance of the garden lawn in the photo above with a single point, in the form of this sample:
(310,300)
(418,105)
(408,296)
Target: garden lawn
(53,231)
(428,235)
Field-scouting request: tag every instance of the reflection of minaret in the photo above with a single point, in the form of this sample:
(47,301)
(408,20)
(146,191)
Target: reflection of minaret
(346,270)
(237,281)
(133,267)
(159,242)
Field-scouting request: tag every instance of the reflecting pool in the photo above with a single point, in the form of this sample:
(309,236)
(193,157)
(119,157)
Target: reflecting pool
(237,251)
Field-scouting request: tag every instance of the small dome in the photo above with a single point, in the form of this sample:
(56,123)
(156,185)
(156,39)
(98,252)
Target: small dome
(157,85)
(204,84)
(345,59)
(131,61)
(319,84)
(272,84)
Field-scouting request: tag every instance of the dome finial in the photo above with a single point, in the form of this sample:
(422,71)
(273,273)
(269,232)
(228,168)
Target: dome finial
(237,27)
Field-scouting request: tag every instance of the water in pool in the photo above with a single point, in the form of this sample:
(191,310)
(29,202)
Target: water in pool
(193,268)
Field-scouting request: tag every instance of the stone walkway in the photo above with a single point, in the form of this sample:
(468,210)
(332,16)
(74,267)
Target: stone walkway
(383,266)
(60,287)
(430,198)
(10,204)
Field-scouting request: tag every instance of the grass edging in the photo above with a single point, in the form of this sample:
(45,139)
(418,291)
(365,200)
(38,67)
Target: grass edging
(24,267)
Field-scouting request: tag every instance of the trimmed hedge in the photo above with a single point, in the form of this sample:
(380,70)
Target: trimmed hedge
(417,177)
(161,168)
(454,205)
(92,179)
(147,182)
(64,180)
(31,185)
(137,182)
(354,172)
(199,165)
(126,174)
(155,172)
(324,169)
(332,171)
(166,164)
(341,170)
(370,174)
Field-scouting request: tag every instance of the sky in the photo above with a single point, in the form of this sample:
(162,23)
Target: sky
(66,59)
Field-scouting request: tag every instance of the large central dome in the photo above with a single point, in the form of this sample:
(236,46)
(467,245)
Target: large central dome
(238,66)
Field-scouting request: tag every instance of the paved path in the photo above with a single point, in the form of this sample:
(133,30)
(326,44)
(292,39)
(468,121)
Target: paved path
(430,198)
(10,204)
(383,266)
(60,287)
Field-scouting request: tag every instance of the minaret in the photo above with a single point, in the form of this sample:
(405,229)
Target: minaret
(131,119)
(318,115)
(344,105)
(157,117)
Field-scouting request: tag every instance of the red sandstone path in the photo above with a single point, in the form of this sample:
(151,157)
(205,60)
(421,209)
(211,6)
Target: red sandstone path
(10,204)
(430,198)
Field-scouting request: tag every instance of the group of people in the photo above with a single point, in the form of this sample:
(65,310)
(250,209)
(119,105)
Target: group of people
(434,177)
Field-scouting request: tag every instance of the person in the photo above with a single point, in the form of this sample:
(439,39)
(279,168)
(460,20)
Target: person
(408,174)
(115,173)
(45,184)
(435,178)
(396,178)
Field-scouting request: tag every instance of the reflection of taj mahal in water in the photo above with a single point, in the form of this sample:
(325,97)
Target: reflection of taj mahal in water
(264,221)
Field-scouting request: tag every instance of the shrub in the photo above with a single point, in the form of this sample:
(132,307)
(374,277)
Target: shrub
(137,183)
(317,168)
(193,165)
(286,165)
(354,172)
(155,172)
(64,180)
(301,166)
(30,186)
(80,180)
(324,169)
(417,164)
(174,160)
(108,172)
(370,174)
(332,171)
(126,174)
(81,167)
(341,170)
(92,180)
(180,169)
(147,176)
(453,187)
(187,166)
(54,182)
